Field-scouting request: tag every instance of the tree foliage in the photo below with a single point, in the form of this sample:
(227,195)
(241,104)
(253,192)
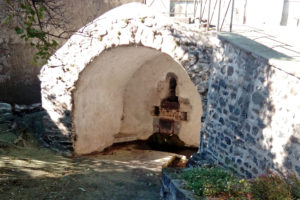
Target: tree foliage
(38,22)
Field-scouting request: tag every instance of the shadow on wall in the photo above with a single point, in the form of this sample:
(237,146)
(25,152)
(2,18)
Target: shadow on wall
(251,118)
(18,92)
(19,83)
(52,137)
(199,65)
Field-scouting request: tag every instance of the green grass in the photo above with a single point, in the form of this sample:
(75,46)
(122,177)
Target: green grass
(270,187)
(217,182)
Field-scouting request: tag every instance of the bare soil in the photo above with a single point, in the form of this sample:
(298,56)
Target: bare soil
(129,172)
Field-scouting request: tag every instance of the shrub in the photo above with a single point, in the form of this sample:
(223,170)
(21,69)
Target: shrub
(215,182)
(270,187)
(294,184)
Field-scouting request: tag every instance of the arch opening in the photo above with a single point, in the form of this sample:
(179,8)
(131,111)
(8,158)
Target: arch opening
(129,93)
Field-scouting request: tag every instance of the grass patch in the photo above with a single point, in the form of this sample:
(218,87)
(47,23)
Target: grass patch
(218,182)
(270,187)
(215,182)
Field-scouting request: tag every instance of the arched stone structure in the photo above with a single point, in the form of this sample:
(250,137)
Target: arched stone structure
(114,98)
(92,86)
(248,106)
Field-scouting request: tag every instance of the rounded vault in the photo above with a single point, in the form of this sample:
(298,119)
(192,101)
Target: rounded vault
(122,77)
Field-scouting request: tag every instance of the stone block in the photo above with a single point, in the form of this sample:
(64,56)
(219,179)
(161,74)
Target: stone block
(5,108)
(258,98)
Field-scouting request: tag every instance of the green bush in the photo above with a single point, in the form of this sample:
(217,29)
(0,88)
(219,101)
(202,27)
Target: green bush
(215,182)
(294,184)
(270,187)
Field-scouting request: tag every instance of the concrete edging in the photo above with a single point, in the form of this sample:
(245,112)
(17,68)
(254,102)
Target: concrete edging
(172,188)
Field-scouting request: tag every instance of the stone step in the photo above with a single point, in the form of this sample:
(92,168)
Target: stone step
(52,131)
(58,137)
(66,143)
(124,137)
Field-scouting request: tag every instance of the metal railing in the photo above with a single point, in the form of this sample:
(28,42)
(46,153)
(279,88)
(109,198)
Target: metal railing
(203,5)
(200,8)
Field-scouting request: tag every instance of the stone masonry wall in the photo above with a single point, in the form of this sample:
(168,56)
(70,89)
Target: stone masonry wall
(252,123)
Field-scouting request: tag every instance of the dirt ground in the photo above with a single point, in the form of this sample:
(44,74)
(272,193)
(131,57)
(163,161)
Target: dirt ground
(125,172)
